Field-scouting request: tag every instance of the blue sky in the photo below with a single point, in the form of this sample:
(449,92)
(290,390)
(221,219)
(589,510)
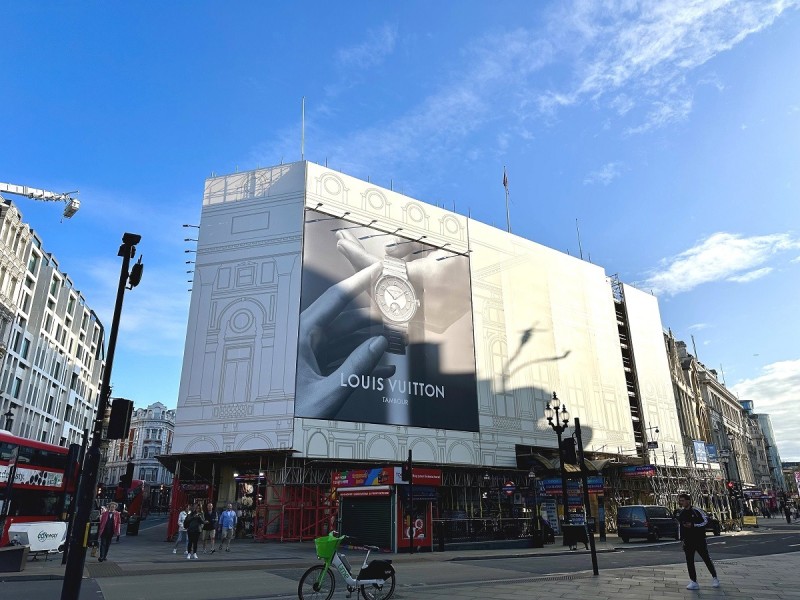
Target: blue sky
(671,130)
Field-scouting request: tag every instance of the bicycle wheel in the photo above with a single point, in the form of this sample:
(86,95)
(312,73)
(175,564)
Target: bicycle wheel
(378,592)
(309,588)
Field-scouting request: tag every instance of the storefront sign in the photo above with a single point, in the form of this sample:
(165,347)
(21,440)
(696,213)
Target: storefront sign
(358,492)
(421,492)
(552,486)
(700,453)
(363,477)
(711,450)
(421,476)
(413,312)
(639,471)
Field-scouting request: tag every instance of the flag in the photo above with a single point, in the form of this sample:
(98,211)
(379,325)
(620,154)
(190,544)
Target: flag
(505,179)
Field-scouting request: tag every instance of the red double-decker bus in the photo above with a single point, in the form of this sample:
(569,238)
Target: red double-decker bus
(44,483)
(133,501)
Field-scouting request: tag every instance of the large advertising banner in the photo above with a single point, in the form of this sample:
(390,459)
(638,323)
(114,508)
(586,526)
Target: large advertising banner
(386,332)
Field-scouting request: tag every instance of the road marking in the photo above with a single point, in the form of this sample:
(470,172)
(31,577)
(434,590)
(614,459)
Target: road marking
(793,545)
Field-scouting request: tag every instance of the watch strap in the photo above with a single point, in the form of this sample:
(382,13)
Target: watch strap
(397,336)
(396,333)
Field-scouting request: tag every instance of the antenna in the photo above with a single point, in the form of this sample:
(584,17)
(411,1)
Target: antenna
(303,129)
(580,248)
(508,214)
(722,372)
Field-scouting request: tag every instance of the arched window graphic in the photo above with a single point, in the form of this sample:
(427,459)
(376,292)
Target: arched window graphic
(331,186)
(505,406)
(414,214)
(240,333)
(375,201)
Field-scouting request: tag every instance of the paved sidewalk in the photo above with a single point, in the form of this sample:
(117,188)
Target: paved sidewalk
(773,577)
(149,554)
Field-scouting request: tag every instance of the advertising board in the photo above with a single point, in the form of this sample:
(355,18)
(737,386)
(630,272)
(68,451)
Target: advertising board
(386,331)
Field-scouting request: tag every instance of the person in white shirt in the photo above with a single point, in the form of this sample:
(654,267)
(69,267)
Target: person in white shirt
(181,529)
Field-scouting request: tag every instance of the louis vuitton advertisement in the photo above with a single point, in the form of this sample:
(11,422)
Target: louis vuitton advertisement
(386,332)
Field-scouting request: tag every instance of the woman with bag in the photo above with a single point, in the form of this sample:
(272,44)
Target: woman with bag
(194,525)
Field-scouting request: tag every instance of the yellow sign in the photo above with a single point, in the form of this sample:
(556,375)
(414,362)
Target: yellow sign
(750,521)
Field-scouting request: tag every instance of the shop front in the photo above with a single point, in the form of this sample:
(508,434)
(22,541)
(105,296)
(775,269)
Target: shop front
(376,507)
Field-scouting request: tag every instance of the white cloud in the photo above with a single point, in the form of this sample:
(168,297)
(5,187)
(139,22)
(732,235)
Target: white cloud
(698,326)
(721,256)
(645,49)
(632,58)
(371,52)
(776,392)
(751,275)
(605,174)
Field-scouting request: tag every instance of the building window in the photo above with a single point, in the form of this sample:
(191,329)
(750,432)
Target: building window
(15,387)
(33,262)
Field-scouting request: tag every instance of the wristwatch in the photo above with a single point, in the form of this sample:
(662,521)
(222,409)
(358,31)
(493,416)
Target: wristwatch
(397,301)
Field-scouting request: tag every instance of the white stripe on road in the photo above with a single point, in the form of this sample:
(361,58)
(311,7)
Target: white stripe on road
(793,545)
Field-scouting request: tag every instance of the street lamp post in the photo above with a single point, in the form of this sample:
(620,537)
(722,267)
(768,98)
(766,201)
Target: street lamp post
(558,418)
(76,558)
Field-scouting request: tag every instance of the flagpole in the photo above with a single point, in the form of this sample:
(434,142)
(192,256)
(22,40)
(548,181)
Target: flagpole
(303,129)
(508,214)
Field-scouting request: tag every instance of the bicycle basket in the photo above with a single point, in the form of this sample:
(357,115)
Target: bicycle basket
(326,546)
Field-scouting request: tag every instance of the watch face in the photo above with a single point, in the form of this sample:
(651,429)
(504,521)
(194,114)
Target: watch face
(396,298)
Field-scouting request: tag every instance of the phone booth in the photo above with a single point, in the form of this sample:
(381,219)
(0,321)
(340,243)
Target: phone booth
(414,516)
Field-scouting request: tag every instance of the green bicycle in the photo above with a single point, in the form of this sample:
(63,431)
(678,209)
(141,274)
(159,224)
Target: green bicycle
(375,579)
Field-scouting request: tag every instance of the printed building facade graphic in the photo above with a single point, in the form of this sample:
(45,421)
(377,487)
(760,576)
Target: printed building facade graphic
(340,320)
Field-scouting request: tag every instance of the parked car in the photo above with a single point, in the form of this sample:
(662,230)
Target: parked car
(714,527)
(651,522)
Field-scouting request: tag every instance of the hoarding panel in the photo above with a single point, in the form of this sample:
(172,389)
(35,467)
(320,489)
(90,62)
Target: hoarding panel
(237,383)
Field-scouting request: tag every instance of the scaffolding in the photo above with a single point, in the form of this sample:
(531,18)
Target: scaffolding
(297,502)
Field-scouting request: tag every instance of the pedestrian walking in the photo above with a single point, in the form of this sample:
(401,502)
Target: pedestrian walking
(693,523)
(109,527)
(209,527)
(227,522)
(181,536)
(194,525)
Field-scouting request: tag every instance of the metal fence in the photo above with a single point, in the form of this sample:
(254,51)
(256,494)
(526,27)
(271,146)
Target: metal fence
(481,530)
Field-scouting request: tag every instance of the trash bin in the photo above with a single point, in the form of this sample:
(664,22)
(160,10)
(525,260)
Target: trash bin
(94,532)
(537,538)
(574,534)
(133,525)
(13,559)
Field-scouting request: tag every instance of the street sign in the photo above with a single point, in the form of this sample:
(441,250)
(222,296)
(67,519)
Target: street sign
(509,488)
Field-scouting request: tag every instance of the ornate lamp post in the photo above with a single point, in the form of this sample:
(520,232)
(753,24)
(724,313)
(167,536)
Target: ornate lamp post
(558,418)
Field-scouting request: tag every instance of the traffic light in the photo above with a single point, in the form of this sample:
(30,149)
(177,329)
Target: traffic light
(731,489)
(568,451)
(119,422)
(405,471)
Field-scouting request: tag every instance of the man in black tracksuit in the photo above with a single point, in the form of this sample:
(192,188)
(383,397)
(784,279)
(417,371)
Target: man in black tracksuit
(693,533)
